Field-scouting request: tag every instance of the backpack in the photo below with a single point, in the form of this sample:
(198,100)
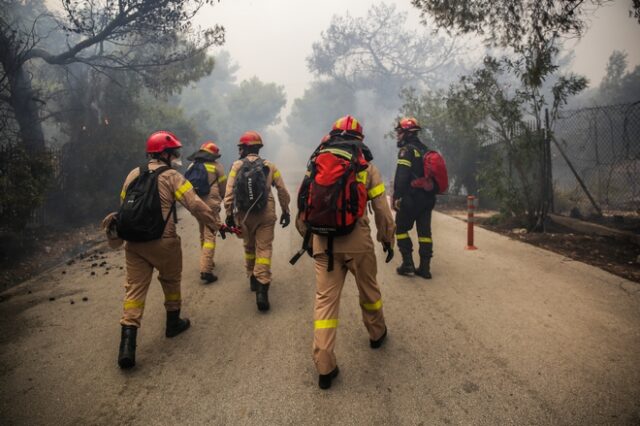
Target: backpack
(435,171)
(199,177)
(250,187)
(140,215)
(332,196)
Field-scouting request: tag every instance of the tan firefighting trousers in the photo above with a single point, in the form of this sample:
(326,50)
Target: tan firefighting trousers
(328,289)
(257,233)
(208,243)
(165,255)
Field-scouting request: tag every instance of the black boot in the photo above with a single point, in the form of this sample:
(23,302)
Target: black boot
(324,380)
(424,268)
(175,324)
(407,267)
(375,344)
(262,297)
(127,354)
(208,277)
(253,283)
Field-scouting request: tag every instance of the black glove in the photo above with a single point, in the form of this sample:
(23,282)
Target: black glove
(285,219)
(386,247)
(223,231)
(231,223)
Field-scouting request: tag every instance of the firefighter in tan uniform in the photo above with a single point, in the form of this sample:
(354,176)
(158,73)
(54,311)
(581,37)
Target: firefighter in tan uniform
(249,204)
(215,185)
(163,254)
(351,253)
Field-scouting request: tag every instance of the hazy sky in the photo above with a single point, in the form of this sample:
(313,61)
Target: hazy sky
(271,38)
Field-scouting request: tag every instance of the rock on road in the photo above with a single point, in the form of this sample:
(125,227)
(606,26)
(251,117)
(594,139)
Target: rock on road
(508,334)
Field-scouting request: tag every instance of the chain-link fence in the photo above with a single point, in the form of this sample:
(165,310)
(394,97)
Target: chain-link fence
(596,162)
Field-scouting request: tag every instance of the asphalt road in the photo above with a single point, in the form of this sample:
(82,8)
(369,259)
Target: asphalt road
(508,334)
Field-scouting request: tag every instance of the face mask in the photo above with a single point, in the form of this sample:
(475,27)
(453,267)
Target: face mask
(176,162)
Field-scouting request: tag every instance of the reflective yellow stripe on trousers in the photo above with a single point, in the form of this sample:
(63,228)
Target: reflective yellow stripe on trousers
(402,236)
(372,306)
(424,240)
(250,256)
(327,323)
(172,297)
(263,261)
(208,245)
(133,304)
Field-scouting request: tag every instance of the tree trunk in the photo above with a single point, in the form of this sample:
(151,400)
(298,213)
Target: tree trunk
(26,109)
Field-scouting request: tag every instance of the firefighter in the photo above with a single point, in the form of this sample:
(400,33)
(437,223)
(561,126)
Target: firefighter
(353,253)
(256,217)
(412,205)
(208,155)
(163,254)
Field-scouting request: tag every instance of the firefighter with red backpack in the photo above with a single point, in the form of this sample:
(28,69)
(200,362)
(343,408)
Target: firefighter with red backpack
(420,175)
(207,176)
(147,222)
(249,203)
(332,217)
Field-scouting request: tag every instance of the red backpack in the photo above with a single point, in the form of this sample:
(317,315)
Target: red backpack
(435,170)
(333,195)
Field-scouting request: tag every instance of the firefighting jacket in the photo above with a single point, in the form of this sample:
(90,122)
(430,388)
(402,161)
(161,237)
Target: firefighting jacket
(409,167)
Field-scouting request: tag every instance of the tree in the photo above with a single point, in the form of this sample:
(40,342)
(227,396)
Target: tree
(379,53)
(518,24)
(223,109)
(104,34)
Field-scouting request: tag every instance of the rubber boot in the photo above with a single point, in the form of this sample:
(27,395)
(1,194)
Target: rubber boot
(127,354)
(175,324)
(324,380)
(208,277)
(253,283)
(424,269)
(407,267)
(262,297)
(375,344)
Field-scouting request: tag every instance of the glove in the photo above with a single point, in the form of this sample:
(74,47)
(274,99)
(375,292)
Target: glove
(386,247)
(396,204)
(285,219)
(223,229)
(230,221)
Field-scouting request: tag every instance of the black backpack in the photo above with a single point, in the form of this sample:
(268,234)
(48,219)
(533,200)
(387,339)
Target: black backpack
(199,178)
(250,187)
(140,215)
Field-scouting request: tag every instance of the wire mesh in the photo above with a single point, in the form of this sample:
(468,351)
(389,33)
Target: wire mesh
(603,145)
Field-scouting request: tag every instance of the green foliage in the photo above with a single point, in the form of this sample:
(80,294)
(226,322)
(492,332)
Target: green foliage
(24,178)
(454,126)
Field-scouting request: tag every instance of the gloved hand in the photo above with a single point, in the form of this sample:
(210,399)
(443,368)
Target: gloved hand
(396,204)
(386,247)
(285,219)
(230,221)
(223,229)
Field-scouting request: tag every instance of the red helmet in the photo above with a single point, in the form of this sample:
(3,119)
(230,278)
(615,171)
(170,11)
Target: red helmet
(250,138)
(409,124)
(347,125)
(162,140)
(210,147)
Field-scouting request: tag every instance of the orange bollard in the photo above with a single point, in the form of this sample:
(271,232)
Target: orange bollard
(470,220)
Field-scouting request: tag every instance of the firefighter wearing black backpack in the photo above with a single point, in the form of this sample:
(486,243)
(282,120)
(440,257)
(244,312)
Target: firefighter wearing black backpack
(144,221)
(412,205)
(209,181)
(249,203)
(332,217)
